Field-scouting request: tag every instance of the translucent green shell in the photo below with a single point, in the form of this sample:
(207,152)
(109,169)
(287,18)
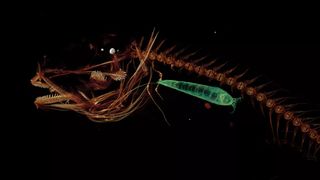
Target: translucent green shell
(211,94)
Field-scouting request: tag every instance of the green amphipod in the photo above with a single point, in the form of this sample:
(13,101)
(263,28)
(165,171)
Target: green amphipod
(211,94)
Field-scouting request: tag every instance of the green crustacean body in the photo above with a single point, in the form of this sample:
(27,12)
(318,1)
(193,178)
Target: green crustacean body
(211,94)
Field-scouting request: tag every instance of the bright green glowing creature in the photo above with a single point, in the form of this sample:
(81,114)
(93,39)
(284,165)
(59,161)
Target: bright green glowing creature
(211,94)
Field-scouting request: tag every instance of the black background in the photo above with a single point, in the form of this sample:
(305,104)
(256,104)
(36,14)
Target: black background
(281,43)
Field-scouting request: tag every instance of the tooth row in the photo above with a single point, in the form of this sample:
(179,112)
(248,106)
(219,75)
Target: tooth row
(51,98)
